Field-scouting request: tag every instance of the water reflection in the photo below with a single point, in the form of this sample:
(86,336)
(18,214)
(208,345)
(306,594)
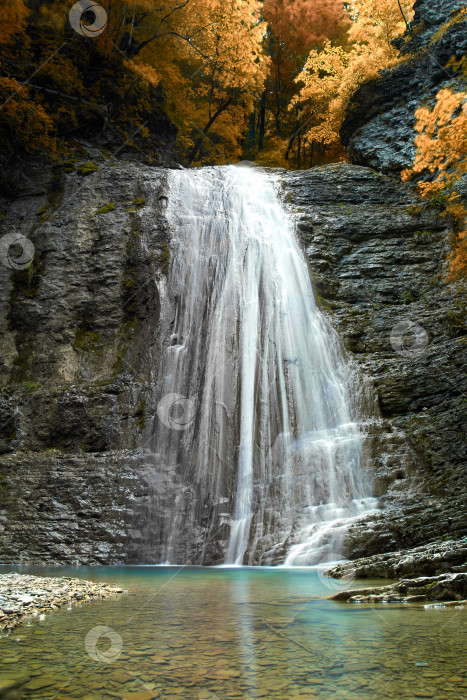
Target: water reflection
(235,633)
(241,595)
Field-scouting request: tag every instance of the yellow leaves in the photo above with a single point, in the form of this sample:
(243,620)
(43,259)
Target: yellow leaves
(13,14)
(378,23)
(442,139)
(274,155)
(442,152)
(25,121)
(331,76)
(150,73)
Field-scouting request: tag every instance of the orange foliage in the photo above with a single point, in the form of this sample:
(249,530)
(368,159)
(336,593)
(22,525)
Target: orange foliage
(25,123)
(441,159)
(13,14)
(333,74)
(295,27)
(203,58)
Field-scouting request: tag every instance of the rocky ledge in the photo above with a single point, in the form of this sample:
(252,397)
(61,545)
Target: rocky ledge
(431,559)
(22,596)
(451,589)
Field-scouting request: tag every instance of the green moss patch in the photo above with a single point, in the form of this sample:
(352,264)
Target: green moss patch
(106,208)
(87,168)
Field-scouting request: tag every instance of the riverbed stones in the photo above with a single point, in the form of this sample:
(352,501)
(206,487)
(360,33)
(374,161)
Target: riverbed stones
(11,687)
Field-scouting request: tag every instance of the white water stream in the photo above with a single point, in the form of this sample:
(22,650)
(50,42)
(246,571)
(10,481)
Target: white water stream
(257,423)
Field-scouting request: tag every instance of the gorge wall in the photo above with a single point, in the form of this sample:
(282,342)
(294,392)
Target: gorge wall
(81,337)
(378,259)
(81,329)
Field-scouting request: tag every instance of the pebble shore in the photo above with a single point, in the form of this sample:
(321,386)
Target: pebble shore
(23,596)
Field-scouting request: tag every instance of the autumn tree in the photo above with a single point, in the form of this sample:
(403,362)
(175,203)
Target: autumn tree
(332,74)
(294,28)
(201,61)
(213,80)
(441,162)
(13,15)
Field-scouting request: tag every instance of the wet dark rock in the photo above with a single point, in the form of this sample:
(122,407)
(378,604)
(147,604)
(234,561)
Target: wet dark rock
(78,350)
(379,127)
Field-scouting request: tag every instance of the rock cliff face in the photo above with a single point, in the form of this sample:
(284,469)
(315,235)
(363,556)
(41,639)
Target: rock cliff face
(79,345)
(80,349)
(379,128)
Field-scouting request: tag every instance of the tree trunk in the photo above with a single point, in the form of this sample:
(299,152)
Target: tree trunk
(251,137)
(262,121)
(194,151)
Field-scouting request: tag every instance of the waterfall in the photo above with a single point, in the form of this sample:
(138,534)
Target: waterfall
(256,446)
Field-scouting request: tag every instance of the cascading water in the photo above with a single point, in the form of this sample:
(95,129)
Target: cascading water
(256,446)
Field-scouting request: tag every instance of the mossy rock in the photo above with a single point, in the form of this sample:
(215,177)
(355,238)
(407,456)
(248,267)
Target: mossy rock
(56,188)
(69,166)
(26,281)
(106,208)
(43,214)
(136,204)
(140,414)
(87,341)
(164,259)
(87,168)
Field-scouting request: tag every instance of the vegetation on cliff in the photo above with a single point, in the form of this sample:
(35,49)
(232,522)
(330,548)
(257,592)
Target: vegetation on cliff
(442,153)
(267,80)
(245,78)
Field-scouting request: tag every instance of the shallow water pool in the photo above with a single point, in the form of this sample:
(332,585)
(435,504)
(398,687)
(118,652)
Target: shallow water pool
(185,632)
